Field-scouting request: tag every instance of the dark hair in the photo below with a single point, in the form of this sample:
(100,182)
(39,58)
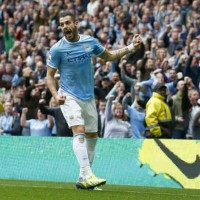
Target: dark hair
(142,102)
(67,13)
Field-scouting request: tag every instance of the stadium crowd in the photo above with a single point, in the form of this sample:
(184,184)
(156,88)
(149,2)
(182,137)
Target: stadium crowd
(127,90)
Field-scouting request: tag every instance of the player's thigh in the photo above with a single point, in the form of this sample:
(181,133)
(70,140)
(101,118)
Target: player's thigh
(90,117)
(72,112)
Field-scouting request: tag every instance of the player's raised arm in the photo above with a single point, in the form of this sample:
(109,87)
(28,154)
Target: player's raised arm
(117,54)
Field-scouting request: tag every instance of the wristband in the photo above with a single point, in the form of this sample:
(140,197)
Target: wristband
(131,48)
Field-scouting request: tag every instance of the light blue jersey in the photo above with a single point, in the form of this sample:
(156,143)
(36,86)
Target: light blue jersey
(73,60)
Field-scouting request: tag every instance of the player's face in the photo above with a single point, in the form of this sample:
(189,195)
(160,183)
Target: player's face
(69,28)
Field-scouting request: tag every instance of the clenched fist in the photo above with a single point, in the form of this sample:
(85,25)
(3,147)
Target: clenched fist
(136,43)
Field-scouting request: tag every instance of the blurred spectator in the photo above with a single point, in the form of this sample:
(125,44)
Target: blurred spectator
(178,130)
(40,71)
(31,99)
(193,97)
(2,44)
(192,14)
(161,10)
(116,125)
(39,16)
(103,69)
(101,117)
(9,32)
(136,113)
(192,68)
(92,7)
(38,127)
(117,91)
(147,66)
(9,72)
(173,42)
(184,9)
(54,110)
(9,121)
(114,78)
(104,88)
(18,97)
(180,67)
(130,82)
(145,22)
(1,107)
(196,126)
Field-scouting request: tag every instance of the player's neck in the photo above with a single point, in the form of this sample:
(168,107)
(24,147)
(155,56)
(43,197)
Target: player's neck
(76,39)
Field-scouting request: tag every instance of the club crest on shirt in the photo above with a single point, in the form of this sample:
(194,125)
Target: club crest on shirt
(71,117)
(87,47)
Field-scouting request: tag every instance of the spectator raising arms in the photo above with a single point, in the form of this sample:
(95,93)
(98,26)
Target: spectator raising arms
(62,128)
(116,125)
(136,114)
(38,127)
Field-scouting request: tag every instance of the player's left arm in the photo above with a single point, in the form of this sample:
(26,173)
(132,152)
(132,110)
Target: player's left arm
(117,54)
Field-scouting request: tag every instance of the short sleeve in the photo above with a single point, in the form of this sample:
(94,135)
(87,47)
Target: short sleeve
(98,48)
(53,58)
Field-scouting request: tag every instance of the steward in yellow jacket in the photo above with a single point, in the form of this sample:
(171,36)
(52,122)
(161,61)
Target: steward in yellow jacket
(158,115)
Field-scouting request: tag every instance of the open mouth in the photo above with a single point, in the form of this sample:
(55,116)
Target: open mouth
(68,33)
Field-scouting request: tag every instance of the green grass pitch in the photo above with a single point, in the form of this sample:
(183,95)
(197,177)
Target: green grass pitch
(32,190)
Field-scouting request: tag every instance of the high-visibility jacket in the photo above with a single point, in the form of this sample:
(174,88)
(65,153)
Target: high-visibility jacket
(1,108)
(158,116)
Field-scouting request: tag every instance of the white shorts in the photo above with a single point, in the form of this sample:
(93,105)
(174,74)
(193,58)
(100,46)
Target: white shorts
(78,112)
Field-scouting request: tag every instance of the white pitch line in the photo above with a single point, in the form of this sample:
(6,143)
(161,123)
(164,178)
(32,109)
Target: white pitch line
(103,190)
(33,186)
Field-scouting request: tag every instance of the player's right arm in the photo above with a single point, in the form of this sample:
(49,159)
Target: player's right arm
(51,83)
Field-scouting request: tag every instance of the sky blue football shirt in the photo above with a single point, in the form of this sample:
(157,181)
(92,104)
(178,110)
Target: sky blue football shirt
(73,60)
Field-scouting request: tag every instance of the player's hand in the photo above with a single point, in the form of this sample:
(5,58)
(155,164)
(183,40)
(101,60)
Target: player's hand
(137,41)
(60,99)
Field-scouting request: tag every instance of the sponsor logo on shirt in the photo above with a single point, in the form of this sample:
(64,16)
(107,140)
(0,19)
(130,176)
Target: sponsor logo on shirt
(80,59)
(71,117)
